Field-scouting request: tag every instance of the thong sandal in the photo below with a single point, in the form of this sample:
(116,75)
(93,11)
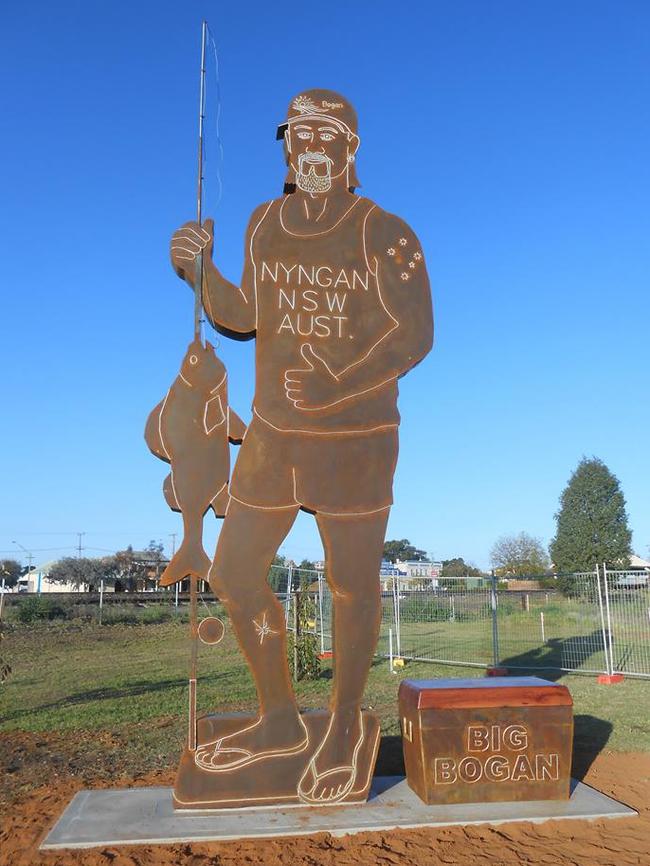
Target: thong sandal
(306,791)
(205,754)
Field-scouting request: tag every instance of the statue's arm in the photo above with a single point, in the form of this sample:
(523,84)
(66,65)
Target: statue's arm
(227,306)
(394,253)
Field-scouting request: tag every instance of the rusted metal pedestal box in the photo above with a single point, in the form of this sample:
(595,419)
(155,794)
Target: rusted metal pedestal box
(498,739)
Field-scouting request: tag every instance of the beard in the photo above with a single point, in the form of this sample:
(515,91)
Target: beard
(306,178)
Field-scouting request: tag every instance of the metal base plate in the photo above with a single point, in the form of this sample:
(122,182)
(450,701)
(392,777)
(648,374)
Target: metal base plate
(137,816)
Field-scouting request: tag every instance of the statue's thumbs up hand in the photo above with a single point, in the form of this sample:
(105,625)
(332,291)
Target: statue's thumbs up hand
(313,386)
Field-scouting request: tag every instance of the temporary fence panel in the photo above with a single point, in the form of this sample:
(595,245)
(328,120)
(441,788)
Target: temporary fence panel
(448,620)
(558,630)
(627,615)
(591,622)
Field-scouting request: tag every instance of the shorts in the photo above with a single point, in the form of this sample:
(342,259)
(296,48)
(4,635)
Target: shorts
(341,473)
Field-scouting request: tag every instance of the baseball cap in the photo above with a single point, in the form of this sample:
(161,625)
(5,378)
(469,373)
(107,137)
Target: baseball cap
(326,104)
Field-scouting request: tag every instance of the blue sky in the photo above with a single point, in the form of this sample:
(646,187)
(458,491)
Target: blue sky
(513,137)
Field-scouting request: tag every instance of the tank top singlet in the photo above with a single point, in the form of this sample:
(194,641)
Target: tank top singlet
(318,289)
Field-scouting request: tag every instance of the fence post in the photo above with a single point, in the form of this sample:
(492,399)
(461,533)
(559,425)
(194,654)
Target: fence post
(390,650)
(541,619)
(396,614)
(608,670)
(295,637)
(101,599)
(288,595)
(176,595)
(609,621)
(320,612)
(2,597)
(495,627)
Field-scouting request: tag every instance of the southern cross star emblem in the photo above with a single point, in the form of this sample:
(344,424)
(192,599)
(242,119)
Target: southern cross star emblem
(263,629)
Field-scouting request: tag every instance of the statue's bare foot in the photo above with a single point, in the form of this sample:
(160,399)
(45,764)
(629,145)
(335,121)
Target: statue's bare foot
(332,772)
(270,736)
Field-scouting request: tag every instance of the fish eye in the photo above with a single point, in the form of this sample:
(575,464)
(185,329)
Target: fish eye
(193,360)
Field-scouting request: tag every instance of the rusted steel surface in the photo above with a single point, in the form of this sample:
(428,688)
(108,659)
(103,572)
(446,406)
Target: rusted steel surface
(190,429)
(335,292)
(475,693)
(275,776)
(500,739)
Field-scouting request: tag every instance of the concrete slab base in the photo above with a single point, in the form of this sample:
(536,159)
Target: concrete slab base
(138,816)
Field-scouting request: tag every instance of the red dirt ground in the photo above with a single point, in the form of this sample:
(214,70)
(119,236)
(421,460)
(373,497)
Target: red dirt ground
(619,842)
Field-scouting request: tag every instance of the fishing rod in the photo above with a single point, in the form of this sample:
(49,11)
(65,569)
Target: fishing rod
(198,285)
(198,315)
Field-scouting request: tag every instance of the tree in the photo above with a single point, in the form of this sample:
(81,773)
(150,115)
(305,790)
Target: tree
(277,576)
(128,568)
(403,550)
(307,565)
(457,567)
(155,553)
(306,574)
(519,556)
(155,549)
(79,570)
(10,570)
(592,521)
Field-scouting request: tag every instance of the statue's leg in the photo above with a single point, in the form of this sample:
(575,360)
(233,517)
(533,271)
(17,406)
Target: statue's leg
(353,551)
(247,544)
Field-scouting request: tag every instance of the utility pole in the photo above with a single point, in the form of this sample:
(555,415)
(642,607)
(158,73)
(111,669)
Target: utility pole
(79,547)
(30,557)
(172,535)
(5,571)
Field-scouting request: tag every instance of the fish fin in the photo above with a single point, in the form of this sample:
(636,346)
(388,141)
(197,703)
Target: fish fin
(220,502)
(236,427)
(189,560)
(214,414)
(152,433)
(170,494)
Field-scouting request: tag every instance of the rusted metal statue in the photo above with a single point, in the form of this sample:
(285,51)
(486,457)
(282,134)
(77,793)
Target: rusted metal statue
(335,292)
(190,429)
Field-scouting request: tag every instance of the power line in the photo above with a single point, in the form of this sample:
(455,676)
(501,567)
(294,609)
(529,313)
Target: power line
(40,549)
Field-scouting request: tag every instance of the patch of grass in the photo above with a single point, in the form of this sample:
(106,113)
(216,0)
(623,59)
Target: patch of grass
(131,680)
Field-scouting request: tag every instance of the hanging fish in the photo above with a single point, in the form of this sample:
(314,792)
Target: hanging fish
(190,429)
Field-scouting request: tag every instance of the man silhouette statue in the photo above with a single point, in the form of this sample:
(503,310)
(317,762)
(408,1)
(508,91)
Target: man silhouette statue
(335,292)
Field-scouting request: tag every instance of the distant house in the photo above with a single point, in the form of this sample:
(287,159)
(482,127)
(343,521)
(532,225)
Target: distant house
(515,584)
(38,580)
(150,568)
(638,564)
(411,574)
(637,576)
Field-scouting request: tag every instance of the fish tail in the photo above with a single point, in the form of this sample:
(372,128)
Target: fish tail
(189,560)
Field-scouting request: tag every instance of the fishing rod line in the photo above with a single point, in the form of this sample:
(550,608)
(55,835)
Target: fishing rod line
(198,282)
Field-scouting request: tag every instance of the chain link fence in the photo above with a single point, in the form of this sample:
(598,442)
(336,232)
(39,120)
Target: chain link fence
(592,622)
